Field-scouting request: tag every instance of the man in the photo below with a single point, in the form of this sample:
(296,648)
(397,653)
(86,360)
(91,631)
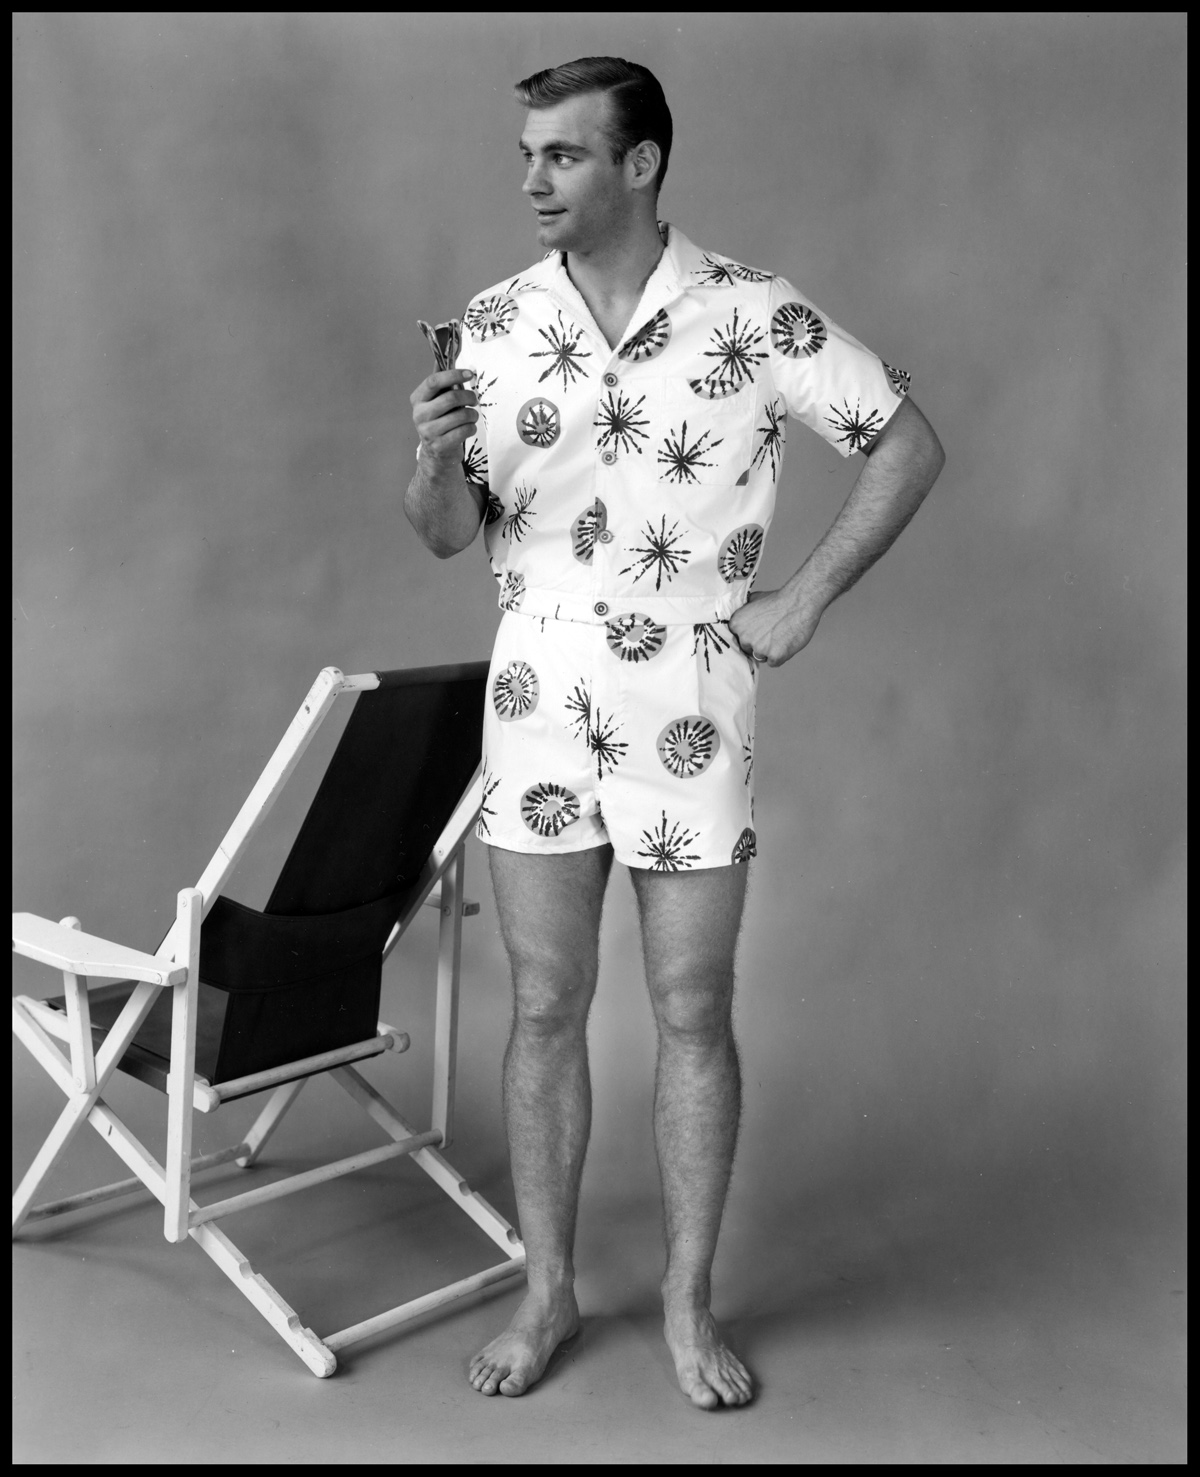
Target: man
(616,420)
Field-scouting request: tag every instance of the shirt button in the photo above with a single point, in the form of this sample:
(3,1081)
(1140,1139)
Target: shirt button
(610,379)
(605,537)
(608,457)
(600,608)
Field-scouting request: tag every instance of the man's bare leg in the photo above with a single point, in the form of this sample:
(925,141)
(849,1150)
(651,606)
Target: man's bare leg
(549,909)
(690,923)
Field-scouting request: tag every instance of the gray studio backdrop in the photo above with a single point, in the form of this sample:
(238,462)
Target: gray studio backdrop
(962,974)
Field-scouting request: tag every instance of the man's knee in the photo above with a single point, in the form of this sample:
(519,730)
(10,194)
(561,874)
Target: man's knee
(693,1006)
(552,991)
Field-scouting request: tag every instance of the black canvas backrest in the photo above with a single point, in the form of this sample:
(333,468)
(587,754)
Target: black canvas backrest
(404,760)
(304,976)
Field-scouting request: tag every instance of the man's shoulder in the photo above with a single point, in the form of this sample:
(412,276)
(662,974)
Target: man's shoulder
(715,269)
(698,267)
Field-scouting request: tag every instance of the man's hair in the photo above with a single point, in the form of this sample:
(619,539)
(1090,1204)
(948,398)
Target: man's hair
(639,109)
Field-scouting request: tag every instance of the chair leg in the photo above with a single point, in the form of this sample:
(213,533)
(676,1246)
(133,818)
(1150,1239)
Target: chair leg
(444,1175)
(269,1120)
(445,1032)
(180,1084)
(70,1121)
(282,1317)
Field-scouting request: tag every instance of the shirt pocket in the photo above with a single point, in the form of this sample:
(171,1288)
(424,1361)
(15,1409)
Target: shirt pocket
(700,442)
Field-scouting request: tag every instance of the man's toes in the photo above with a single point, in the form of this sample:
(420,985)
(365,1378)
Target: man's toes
(700,1393)
(515,1384)
(486,1379)
(725,1388)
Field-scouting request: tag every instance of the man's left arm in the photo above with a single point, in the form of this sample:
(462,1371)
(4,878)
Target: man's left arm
(903,463)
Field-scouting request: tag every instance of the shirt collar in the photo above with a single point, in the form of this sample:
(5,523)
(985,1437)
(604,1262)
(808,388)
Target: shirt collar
(669,280)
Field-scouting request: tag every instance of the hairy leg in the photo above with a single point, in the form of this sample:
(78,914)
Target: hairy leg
(690,923)
(549,909)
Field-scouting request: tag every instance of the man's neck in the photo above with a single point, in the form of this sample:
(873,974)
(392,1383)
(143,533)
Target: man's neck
(611,278)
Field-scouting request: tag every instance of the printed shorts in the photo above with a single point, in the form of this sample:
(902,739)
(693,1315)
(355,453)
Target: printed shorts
(628,732)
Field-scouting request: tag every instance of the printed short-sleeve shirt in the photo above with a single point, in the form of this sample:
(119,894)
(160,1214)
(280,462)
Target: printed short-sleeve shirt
(645,475)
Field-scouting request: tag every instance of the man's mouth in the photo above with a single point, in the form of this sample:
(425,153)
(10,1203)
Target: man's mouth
(546,214)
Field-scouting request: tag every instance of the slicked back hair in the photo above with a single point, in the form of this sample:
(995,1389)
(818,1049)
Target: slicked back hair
(639,109)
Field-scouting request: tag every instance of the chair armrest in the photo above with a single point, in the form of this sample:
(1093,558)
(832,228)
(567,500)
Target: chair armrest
(83,953)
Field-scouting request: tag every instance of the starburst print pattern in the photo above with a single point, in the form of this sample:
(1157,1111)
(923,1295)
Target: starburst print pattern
(735,348)
(603,742)
(490,317)
(490,785)
(688,745)
(516,525)
(748,757)
(856,428)
(493,508)
(475,464)
(579,704)
(899,379)
(515,692)
(750,274)
(649,341)
(723,272)
(620,421)
(738,555)
(797,331)
(713,272)
(564,352)
(585,529)
(538,422)
(680,459)
(773,434)
(548,808)
(634,637)
(707,640)
(666,848)
(512,590)
(744,847)
(483,390)
(659,553)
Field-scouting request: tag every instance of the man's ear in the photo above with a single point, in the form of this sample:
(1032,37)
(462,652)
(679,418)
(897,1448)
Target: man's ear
(644,159)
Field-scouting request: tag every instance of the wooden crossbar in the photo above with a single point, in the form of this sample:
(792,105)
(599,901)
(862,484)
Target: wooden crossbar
(407,1312)
(210,1097)
(121,1188)
(310,1177)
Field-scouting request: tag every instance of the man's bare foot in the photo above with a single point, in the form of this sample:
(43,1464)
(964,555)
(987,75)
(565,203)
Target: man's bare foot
(709,1373)
(516,1360)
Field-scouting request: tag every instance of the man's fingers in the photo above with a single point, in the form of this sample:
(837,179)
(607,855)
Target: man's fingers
(458,420)
(443,404)
(445,441)
(441,379)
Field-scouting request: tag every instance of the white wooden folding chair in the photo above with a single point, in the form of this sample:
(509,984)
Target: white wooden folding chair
(394,808)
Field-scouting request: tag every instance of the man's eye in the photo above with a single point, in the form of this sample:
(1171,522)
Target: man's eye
(563,159)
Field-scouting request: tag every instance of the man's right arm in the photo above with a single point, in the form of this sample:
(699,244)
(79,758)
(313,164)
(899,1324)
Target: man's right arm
(444,508)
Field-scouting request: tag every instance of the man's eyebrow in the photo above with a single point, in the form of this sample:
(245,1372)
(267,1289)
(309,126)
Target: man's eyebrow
(555,146)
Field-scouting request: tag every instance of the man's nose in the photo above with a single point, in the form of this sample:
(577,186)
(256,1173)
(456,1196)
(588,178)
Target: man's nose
(535,181)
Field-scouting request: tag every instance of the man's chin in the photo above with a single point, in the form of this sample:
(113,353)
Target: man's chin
(556,233)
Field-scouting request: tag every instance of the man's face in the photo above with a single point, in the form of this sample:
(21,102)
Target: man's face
(581,197)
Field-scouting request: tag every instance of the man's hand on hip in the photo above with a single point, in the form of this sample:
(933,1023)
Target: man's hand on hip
(773,626)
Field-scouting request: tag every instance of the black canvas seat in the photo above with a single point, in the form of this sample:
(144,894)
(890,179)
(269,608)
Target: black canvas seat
(237,1000)
(303,976)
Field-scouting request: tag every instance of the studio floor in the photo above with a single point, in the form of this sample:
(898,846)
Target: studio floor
(966,1331)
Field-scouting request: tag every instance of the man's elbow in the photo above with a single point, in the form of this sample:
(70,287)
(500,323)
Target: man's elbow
(432,541)
(935,456)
